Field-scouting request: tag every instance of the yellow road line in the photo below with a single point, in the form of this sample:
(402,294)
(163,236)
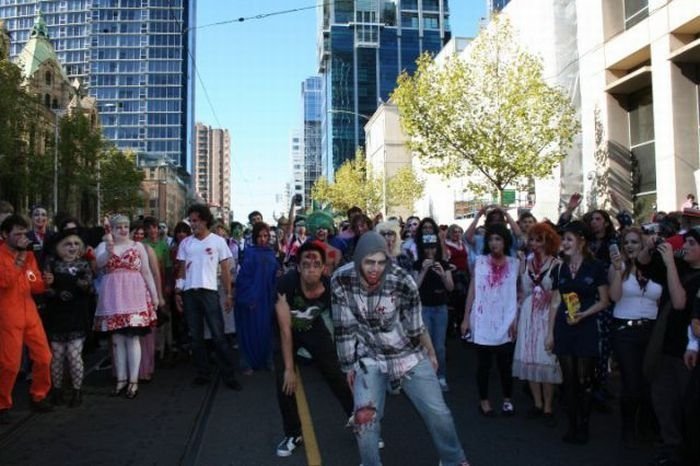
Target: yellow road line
(313,454)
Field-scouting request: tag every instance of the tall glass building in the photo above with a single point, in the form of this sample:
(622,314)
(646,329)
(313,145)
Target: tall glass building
(312,98)
(135,57)
(496,5)
(363,46)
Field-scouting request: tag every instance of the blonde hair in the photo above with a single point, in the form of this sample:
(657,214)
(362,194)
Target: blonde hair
(119,219)
(396,228)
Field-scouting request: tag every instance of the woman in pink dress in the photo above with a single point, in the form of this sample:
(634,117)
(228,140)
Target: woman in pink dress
(127,301)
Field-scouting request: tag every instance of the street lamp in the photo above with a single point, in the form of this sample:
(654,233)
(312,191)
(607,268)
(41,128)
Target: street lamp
(58,113)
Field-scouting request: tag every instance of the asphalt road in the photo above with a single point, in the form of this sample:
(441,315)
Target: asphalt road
(172,422)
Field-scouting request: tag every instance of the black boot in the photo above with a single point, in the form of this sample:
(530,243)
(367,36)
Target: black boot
(76,399)
(572,414)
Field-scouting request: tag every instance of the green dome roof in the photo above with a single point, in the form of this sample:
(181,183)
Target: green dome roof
(38,50)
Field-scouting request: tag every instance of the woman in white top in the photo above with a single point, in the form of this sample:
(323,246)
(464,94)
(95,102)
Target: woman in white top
(636,307)
(491,315)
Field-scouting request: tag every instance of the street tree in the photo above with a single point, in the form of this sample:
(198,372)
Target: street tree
(489,116)
(120,182)
(22,167)
(80,145)
(403,189)
(354,185)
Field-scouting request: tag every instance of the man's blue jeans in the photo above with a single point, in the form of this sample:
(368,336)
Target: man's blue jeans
(203,305)
(421,386)
(435,320)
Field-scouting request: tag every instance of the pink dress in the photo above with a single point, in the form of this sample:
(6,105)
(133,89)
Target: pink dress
(124,300)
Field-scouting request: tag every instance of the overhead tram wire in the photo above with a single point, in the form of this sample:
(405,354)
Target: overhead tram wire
(183,30)
(261,16)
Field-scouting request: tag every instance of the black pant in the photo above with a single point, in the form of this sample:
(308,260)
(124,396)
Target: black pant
(203,306)
(629,346)
(317,341)
(504,361)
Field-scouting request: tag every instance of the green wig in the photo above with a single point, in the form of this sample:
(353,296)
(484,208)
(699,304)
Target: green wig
(319,219)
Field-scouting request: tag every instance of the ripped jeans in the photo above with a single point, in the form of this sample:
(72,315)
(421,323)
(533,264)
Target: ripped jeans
(421,386)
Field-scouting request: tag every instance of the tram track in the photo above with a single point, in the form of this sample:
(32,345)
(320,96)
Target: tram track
(195,438)
(23,422)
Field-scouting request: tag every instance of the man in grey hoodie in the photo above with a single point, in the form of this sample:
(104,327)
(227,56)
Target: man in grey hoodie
(380,338)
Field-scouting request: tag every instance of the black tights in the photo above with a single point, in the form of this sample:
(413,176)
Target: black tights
(504,360)
(578,379)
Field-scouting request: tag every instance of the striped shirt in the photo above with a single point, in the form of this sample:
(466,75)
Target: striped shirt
(383,326)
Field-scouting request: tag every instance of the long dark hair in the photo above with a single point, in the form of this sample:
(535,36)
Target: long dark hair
(501,230)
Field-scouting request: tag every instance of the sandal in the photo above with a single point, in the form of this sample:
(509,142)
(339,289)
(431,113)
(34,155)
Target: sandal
(119,389)
(132,390)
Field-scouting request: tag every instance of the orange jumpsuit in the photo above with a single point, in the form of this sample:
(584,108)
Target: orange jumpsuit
(20,324)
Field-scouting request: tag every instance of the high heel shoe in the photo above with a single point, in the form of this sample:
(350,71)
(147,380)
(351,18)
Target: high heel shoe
(132,390)
(119,389)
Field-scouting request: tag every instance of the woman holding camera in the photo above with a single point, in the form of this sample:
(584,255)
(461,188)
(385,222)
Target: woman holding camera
(636,298)
(434,280)
(490,317)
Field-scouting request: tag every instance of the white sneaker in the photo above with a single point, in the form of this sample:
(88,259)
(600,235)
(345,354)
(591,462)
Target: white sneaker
(288,445)
(443,384)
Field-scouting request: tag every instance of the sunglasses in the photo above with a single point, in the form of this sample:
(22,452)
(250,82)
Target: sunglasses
(387,233)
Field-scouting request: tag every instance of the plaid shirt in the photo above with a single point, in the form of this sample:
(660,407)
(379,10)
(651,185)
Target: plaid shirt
(383,326)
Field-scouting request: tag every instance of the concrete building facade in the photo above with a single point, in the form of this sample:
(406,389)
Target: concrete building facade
(211,168)
(639,101)
(165,192)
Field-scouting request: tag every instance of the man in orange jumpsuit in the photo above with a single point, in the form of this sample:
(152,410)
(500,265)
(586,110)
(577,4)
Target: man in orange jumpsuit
(20,324)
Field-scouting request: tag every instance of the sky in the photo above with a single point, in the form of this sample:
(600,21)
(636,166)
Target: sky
(249,82)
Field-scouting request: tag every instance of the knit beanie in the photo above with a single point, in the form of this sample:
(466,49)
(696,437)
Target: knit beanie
(368,244)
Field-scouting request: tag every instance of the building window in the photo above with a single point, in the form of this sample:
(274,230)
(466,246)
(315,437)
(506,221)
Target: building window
(641,130)
(49,79)
(635,11)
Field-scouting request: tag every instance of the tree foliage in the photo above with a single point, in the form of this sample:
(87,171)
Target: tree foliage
(21,163)
(489,116)
(120,182)
(356,185)
(80,145)
(403,189)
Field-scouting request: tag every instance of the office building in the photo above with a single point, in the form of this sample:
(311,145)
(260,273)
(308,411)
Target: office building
(312,98)
(211,168)
(640,105)
(296,157)
(363,46)
(134,56)
(494,6)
